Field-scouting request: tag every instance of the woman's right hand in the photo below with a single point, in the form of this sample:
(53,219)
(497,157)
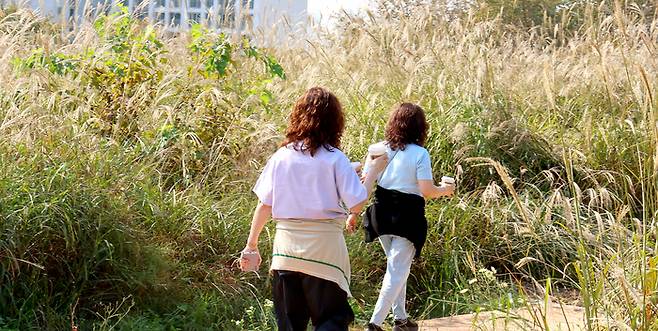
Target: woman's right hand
(250,259)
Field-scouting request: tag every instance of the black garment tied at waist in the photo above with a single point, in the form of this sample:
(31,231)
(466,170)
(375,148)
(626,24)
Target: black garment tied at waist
(397,213)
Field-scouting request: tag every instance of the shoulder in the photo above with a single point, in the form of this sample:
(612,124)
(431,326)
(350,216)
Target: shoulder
(419,151)
(414,150)
(335,154)
(280,153)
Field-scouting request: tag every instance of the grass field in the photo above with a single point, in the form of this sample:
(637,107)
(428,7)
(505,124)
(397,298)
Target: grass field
(127,156)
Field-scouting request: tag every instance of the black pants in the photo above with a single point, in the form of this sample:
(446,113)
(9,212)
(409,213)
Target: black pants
(299,297)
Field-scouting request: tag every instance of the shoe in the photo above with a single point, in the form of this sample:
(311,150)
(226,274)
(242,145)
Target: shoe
(373,327)
(405,325)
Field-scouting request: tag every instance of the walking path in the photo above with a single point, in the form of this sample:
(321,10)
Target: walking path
(557,317)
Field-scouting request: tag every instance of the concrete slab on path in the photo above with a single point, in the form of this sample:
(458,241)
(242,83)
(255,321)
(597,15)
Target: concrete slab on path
(558,317)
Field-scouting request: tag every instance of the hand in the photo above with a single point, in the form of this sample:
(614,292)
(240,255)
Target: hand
(351,223)
(377,165)
(448,189)
(249,253)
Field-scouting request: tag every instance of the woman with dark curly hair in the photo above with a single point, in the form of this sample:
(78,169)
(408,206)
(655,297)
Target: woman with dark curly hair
(397,216)
(310,188)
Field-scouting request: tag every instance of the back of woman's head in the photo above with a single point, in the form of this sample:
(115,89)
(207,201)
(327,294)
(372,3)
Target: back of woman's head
(316,121)
(406,125)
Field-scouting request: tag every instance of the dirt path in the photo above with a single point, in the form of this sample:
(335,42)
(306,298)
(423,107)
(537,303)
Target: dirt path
(558,317)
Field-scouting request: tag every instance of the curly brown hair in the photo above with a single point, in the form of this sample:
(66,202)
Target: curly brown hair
(316,121)
(406,125)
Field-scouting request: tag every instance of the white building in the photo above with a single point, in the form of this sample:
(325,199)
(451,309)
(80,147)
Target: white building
(178,15)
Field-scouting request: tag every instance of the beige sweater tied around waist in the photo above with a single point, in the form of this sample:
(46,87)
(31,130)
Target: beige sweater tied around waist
(313,247)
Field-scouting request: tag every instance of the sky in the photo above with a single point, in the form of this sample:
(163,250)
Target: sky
(324,8)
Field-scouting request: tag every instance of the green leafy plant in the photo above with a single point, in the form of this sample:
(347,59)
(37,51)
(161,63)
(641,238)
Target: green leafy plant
(214,51)
(56,63)
(129,62)
(217,53)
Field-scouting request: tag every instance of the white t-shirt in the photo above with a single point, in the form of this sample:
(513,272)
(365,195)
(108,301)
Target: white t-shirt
(300,186)
(405,168)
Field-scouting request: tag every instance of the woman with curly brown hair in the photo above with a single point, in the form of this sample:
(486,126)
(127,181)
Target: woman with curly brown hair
(397,216)
(309,188)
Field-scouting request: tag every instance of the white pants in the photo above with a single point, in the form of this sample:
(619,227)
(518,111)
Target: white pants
(399,254)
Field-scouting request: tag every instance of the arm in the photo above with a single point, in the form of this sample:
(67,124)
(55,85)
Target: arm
(369,183)
(431,191)
(261,216)
(264,191)
(375,166)
(426,184)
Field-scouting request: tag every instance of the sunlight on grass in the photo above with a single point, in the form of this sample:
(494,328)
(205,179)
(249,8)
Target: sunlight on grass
(127,156)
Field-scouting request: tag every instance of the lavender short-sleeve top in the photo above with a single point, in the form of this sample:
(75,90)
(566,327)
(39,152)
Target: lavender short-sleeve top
(300,186)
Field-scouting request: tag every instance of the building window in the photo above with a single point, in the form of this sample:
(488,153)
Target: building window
(248,4)
(196,18)
(162,3)
(141,11)
(175,19)
(174,3)
(195,3)
(223,6)
(160,17)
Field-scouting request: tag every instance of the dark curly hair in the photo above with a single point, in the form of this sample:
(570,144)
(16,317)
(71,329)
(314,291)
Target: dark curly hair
(316,121)
(406,125)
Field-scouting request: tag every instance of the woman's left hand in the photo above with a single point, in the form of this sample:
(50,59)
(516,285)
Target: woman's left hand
(351,223)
